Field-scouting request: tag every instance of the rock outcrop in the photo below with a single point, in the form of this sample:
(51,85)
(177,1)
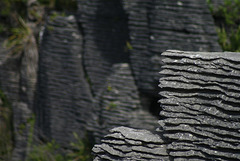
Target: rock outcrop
(64,100)
(131,144)
(200,105)
(118,41)
(200,112)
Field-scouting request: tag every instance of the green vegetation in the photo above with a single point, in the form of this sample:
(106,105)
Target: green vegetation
(15,14)
(227,19)
(128,46)
(81,149)
(6,128)
(51,151)
(9,11)
(45,152)
(21,38)
(109,88)
(111,106)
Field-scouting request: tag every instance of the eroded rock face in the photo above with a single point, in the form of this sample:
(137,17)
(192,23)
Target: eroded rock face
(18,76)
(200,104)
(105,29)
(78,57)
(130,144)
(64,100)
(200,112)
(119,103)
(158,25)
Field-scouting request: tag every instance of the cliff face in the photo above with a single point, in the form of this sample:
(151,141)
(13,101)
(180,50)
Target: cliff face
(200,105)
(99,68)
(200,113)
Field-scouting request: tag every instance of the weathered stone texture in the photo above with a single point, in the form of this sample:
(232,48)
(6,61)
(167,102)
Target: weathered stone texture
(64,101)
(105,29)
(200,104)
(119,103)
(130,144)
(155,26)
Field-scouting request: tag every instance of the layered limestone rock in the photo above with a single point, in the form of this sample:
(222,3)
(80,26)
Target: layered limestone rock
(158,25)
(200,105)
(105,30)
(119,104)
(200,112)
(131,144)
(64,101)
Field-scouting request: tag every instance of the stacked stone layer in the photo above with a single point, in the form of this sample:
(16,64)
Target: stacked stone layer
(131,144)
(64,101)
(200,105)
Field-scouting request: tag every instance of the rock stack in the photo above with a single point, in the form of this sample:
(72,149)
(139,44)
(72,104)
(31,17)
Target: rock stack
(200,105)
(130,144)
(64,100)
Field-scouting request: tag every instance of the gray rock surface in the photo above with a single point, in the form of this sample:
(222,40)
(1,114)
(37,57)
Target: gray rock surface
(11,85)
(119,104)
(28,73)
(21,116)
(155,26)
(105,29)
(9,74)
(131,144)
(64,100)
(200,105)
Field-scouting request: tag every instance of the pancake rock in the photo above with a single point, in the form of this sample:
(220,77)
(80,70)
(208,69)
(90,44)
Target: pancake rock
(200,105)
(130,144)
(64,100)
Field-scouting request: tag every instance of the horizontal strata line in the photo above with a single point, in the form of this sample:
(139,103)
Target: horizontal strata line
(198,102)
(217,63)
(200,76)
(207,69)
(203,93)
(211,153)
(203,142)
(202,120)
(204,68)
(180,90)
(201,133)
(229,56)
(193,69)
(203,109)
(225,87)
(187,154)
(220,132)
